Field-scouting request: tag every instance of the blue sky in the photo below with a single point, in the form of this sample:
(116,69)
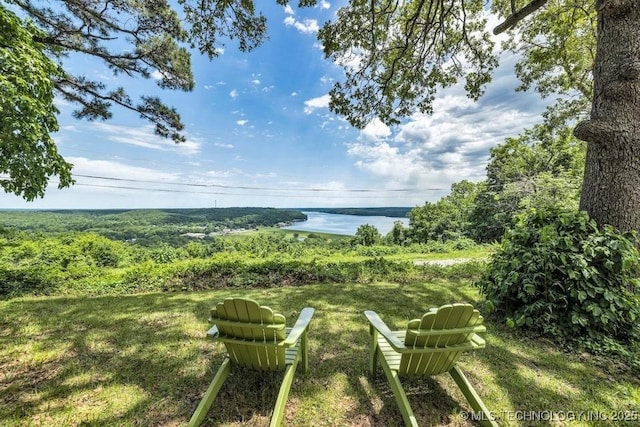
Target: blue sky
(259,133)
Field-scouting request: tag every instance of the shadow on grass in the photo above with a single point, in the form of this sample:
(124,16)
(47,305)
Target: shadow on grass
(145,360)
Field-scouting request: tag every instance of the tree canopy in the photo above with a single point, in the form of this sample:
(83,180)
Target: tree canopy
(27,114)
(397,54)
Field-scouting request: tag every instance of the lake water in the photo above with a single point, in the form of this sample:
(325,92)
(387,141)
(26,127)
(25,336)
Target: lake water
(320,222)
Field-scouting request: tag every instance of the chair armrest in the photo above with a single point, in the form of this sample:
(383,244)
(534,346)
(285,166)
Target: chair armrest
(384,330)
(434,332)
(300,327)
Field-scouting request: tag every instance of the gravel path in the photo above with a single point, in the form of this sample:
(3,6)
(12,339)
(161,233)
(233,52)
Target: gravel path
(442,262)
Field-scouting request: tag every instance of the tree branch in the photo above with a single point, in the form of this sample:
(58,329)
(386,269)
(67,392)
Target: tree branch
(518,16)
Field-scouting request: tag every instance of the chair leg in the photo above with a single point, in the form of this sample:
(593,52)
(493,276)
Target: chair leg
(281,402)
(304,350)
(373,352)
(472,397)
(211,393)
(401,397)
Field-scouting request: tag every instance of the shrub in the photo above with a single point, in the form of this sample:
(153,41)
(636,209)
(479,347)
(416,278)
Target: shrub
(558,274)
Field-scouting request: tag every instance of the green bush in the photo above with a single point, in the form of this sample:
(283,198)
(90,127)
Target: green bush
(558,274)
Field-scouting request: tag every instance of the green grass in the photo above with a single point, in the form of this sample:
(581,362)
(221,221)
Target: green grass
(144,360)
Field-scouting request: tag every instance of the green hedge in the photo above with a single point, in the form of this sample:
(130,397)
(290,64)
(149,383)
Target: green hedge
(559,274)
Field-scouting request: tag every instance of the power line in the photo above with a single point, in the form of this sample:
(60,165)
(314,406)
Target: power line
(166,190)
(241,187)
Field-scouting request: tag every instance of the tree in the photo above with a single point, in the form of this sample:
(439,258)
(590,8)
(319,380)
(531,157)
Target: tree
(398,234)
(133,38)
(27,114)
(448,218)
(402,51)
(543,167)
(367,235)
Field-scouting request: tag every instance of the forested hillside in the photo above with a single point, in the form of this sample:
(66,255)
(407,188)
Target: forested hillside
(148,226)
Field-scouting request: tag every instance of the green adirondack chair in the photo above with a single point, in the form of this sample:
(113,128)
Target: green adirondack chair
(429,346)
(256,337)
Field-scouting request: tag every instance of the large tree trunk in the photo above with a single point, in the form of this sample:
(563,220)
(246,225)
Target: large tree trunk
(611,188)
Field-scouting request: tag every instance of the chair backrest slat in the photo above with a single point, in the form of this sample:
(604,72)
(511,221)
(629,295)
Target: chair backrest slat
(241,319)
(447,326)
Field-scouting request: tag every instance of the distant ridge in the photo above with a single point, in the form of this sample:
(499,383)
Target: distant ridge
(393,212)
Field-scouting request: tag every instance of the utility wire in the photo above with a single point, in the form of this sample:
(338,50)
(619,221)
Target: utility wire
(166,190)
(241,187)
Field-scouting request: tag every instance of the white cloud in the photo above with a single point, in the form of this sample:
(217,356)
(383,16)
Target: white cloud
(289,10)
(219,51)
(313,104)
(432,152)
(351,59)
(294,93)
(375,130)
(144,136)
(208,87)
(157,75)
(221,145)
(242,122)
(118,170)
(326,80)
(255,82)
(325,5)
(307,26)
(233,94)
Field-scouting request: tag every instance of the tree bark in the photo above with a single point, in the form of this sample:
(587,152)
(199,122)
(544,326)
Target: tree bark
(611,188)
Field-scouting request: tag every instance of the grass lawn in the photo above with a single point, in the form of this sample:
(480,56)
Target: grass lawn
(144,360)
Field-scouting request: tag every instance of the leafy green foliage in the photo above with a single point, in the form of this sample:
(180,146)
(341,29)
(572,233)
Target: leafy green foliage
(447,219)
(562,64)
(87,263)
(541,168)
(398,235)
(395,55)
(28,154)
(557,273)
(367,235)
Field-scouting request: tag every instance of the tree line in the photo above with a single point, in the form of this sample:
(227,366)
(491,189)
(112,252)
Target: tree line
(535,170)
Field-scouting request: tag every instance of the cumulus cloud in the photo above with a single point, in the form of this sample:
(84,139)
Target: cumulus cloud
(242,122)
(289,10)
(313,104)
(306,26)
(433,151)
(233,94)
(375,130)
(324,5)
